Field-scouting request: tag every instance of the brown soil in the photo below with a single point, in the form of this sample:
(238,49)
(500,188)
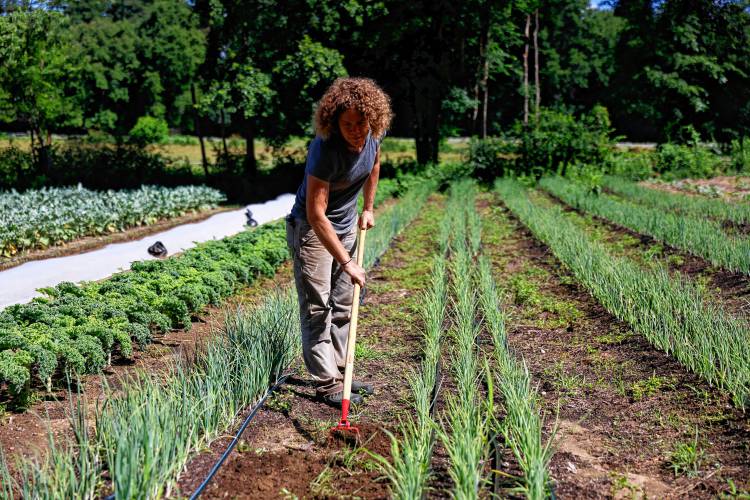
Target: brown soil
(733,187)
(287,450)
(89,243)
(623,406)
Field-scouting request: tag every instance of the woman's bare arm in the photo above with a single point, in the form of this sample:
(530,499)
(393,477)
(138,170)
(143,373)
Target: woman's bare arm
(316,204)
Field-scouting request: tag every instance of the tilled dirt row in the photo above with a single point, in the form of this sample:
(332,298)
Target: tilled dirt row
(630,420)
(287,450)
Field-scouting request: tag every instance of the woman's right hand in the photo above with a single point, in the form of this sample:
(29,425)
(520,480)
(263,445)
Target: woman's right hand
(356,272)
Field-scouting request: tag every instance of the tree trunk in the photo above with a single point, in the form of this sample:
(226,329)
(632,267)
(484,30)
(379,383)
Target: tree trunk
(224,133)
(526,71)
(475,113)
(196,121)
(485,85)
(537,89)
(251,165)
(32,148)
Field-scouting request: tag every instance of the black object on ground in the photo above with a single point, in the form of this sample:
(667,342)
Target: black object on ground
(250,221)
(158,249)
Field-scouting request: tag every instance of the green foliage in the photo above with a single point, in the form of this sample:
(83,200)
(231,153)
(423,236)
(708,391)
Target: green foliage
(135,61)
(299,79)
(36,71)
(675,161)
(148,130)
(633,166)
(694,234)
(455,108)
(740,153)
(81,327)
(687,458)
(492,157)
(560,140)
(668,311)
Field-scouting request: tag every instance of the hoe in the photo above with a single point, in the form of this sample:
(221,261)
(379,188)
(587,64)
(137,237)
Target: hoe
(344,425)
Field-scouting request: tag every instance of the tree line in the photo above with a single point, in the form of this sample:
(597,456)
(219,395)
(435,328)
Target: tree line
(475,67)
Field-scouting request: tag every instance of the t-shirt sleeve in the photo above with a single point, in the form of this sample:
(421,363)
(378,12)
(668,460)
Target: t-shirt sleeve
(382,138)
(319,161)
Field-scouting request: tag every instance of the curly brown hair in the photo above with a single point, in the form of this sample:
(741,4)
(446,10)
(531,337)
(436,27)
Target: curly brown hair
(362,94)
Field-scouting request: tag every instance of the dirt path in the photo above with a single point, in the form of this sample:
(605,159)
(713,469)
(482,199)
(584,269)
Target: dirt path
(286,451)
(625,409)
(89,243)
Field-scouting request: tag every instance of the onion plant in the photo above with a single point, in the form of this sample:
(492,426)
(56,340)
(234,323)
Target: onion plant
(668,311)
(694,206)
(469,413)
(411,452)
(522,425)
(696,235)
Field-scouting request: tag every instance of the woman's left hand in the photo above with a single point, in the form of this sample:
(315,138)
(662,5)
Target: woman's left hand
(367,219)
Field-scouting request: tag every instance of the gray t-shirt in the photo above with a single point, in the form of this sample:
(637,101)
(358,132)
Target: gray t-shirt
(330,160)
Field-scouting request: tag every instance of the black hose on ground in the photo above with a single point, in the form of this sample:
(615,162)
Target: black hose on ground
(236,439)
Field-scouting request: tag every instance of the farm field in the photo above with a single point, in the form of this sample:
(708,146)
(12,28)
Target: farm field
(519,347)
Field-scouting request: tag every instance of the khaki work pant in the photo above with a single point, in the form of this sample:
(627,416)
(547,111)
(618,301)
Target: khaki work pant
(324,293)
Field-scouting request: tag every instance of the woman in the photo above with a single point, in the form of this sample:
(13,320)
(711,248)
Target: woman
(344,158)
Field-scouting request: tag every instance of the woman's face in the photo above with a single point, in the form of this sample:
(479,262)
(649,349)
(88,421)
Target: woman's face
(354,128)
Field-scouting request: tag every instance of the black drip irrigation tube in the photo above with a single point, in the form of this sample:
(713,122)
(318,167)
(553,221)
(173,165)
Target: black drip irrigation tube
(234,442)
(236,439)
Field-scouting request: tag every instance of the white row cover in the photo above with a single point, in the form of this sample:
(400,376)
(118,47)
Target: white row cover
(19,284)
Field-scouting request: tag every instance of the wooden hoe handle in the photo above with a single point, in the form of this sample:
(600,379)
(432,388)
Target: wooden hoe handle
(349,370)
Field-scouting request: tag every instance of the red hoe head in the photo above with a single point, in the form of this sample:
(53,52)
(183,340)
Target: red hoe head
(344,425)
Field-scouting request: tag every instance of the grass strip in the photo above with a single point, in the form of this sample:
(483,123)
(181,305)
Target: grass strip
(698,236)
(694,206)
(146,431)
(668,311)
(522,426)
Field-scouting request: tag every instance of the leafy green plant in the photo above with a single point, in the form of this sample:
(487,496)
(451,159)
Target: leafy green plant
(674,161)
(686,458)
(560,140)
(79,328)
(53,216)
(148,130)
(740,154)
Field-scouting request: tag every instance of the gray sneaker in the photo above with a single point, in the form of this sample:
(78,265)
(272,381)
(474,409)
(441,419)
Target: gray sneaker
(335,398)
